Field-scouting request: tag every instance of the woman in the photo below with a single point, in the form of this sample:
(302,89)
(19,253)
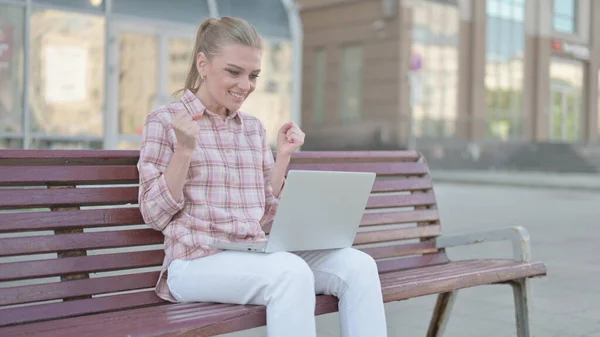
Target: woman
(207,175)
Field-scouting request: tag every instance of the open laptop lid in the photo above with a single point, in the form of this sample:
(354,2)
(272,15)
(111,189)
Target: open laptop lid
(320,210)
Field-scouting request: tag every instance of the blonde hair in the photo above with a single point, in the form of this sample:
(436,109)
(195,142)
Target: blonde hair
(212,35)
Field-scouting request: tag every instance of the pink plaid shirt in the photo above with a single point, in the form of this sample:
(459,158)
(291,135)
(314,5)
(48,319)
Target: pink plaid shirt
(227,196)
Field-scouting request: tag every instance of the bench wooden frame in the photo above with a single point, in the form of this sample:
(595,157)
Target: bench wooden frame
(53,202)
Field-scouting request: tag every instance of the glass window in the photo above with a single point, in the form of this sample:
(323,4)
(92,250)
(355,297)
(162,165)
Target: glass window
(269,16)
(505,47)
(138,80)
(565,16)
(271,101)
(10,143)
(434,69)
(12,19)
(319,88)
(66,91)
(351,83)
(179,62)
(81,4)
(180,11)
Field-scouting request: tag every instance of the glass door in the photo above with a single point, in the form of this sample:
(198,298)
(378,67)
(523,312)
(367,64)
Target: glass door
(566,100)
(149,63)
(565,119)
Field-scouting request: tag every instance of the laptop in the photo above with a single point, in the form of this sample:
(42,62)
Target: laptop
(317,210)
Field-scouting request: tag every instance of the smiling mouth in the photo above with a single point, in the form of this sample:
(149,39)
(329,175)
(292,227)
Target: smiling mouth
(238,96)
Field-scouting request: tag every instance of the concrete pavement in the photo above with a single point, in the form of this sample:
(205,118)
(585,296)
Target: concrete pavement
(565,231)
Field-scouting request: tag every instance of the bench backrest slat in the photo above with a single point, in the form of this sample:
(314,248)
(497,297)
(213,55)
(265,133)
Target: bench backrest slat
(401,217)
(389,235)
(77,308)
(409,200)
(57,175)
(397,228)
(92,286)
(398,185)
(99,240)
(73,197)
(399,250)
(382,168)
(385,266)
(91,218)
(82,264)
(67,157)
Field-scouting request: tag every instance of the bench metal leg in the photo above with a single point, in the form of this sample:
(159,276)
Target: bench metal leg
(522,306)
(441,314)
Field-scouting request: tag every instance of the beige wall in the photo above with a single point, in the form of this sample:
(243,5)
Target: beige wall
(331,25)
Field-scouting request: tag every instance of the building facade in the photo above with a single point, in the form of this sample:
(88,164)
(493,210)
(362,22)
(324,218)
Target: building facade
(85,73)
(451,77)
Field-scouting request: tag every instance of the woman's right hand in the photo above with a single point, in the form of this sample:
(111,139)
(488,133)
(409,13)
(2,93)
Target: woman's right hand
(186,130)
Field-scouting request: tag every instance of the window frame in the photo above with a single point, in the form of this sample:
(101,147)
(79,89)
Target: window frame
(582,24)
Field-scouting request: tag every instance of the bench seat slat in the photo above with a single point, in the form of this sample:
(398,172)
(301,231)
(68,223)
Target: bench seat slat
(71,175)
(401,217)
(386,235)
(382,169)
(448,277)
(39,198)
(83,264)
(205,318)
(434,271)
(402,184)
(51,220)
(84,287)
(75,241)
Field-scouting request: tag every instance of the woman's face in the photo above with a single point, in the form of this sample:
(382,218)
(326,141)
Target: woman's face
(230,76)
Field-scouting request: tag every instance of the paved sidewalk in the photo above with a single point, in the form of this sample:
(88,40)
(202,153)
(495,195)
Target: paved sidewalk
(586,182)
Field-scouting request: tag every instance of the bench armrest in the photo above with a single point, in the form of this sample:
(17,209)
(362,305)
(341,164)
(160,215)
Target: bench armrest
(517,235)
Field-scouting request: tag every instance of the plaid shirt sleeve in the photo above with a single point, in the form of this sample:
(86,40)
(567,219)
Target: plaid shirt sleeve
(156,203)
(271,201)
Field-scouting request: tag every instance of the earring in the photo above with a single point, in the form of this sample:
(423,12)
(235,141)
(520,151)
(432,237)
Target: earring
(202,77)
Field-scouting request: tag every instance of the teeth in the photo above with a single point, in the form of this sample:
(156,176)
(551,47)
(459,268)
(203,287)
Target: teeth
(236,95)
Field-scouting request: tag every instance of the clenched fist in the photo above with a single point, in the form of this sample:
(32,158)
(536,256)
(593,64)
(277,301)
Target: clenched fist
(289,138)
(186,130)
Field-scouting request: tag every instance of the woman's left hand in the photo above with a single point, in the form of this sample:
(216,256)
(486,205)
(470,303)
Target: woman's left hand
(289,138)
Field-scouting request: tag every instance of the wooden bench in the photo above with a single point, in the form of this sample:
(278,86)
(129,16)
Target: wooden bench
(77,260)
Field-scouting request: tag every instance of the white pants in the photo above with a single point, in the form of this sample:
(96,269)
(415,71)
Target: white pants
(286,284)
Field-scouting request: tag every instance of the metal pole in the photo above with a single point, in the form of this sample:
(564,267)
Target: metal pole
(213,9)
(110,66)
(411,134)
(296,30)
(26,77)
